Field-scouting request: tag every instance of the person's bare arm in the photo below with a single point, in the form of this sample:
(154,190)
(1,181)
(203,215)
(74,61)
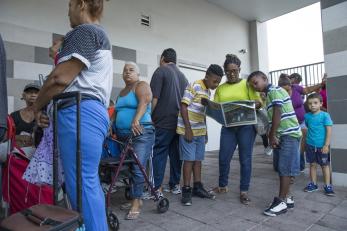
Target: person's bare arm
(325,148)
(308,90)
(188,130)
(144,96)
(62,75)
(276,120)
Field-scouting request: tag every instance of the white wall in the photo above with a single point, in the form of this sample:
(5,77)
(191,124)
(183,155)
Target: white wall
(198,30)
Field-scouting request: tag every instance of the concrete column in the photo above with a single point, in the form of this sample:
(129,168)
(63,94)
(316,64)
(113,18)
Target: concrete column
(259,46)
(334,22)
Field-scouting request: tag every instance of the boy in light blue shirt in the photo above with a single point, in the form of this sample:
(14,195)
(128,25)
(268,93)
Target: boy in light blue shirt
(318,136)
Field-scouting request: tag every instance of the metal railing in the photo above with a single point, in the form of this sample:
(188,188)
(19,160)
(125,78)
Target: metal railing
(311,74)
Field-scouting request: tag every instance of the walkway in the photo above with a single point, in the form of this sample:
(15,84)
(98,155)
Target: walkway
(313,211)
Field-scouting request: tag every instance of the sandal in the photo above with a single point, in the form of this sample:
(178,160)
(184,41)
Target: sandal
(132,215)
(220,190)
(244,199)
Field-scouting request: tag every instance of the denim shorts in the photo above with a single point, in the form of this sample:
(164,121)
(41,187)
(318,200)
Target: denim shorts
(315,155)
(192,151)
(287,157)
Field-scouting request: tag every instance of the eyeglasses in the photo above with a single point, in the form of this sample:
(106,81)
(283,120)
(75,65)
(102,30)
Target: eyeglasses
(228,72)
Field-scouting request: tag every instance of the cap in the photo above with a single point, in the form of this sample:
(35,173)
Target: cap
(32,86)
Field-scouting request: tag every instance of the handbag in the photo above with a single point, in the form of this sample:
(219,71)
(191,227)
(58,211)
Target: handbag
(262,125)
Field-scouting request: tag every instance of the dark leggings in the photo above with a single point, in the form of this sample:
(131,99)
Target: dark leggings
(265,140)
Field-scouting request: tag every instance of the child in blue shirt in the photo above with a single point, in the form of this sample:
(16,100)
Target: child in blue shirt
(318,136)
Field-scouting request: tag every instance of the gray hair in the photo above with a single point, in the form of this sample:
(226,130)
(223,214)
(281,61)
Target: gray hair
(137,69)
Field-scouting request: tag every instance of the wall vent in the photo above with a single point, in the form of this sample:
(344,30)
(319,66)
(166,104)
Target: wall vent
(145,20)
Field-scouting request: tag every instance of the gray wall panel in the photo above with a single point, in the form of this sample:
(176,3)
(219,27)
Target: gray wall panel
(20,52)
(42,56)
(329,3)
(123,53)
(336,88)
(337,110)
(339,160)
(15,87)
(335,40)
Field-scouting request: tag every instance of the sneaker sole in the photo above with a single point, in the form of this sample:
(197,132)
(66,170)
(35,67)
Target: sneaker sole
(175,193)
(274,214)
(311,190)
(187,204)
(330,194)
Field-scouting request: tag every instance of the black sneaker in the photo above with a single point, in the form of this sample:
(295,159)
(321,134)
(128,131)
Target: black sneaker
(186,196)
(199,191)
(276,208)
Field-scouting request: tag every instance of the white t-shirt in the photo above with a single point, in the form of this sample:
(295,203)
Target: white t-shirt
(90,44)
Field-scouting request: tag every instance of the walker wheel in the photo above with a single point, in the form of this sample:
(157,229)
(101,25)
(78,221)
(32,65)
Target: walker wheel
(113,221)
(163,205)
(127,193)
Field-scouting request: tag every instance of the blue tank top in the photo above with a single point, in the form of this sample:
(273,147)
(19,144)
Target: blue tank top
(126,107)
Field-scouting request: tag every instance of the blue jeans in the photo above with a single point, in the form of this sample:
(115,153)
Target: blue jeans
(142,146)
(166,144)
(244,137)
(94,126)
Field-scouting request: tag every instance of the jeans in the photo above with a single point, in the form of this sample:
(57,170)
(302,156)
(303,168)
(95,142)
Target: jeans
(166,144)
(244,137)
(94,126)
(142,146)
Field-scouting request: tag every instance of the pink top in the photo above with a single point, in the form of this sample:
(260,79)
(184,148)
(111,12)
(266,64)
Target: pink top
(323,93)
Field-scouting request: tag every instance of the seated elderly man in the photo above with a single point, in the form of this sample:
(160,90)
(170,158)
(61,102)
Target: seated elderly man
(24,118)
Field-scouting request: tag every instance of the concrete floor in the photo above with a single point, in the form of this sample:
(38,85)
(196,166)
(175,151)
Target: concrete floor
(313,211)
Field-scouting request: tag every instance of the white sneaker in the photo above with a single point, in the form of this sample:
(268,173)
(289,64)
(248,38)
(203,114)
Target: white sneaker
(148,196)
(276,208)
(175,190)
(268,151)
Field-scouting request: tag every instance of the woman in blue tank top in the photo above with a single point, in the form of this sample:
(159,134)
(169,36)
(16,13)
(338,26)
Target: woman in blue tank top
(133,115)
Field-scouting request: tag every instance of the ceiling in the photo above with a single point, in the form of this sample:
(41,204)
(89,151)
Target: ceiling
(261,10)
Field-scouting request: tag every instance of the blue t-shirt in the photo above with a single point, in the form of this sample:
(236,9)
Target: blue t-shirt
(316,124)
(126,107)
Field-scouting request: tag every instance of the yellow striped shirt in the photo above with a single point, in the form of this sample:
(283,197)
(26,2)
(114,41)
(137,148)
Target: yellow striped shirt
(196,111)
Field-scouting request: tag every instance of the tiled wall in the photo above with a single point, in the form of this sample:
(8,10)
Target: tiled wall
(334,20)
(27,57)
